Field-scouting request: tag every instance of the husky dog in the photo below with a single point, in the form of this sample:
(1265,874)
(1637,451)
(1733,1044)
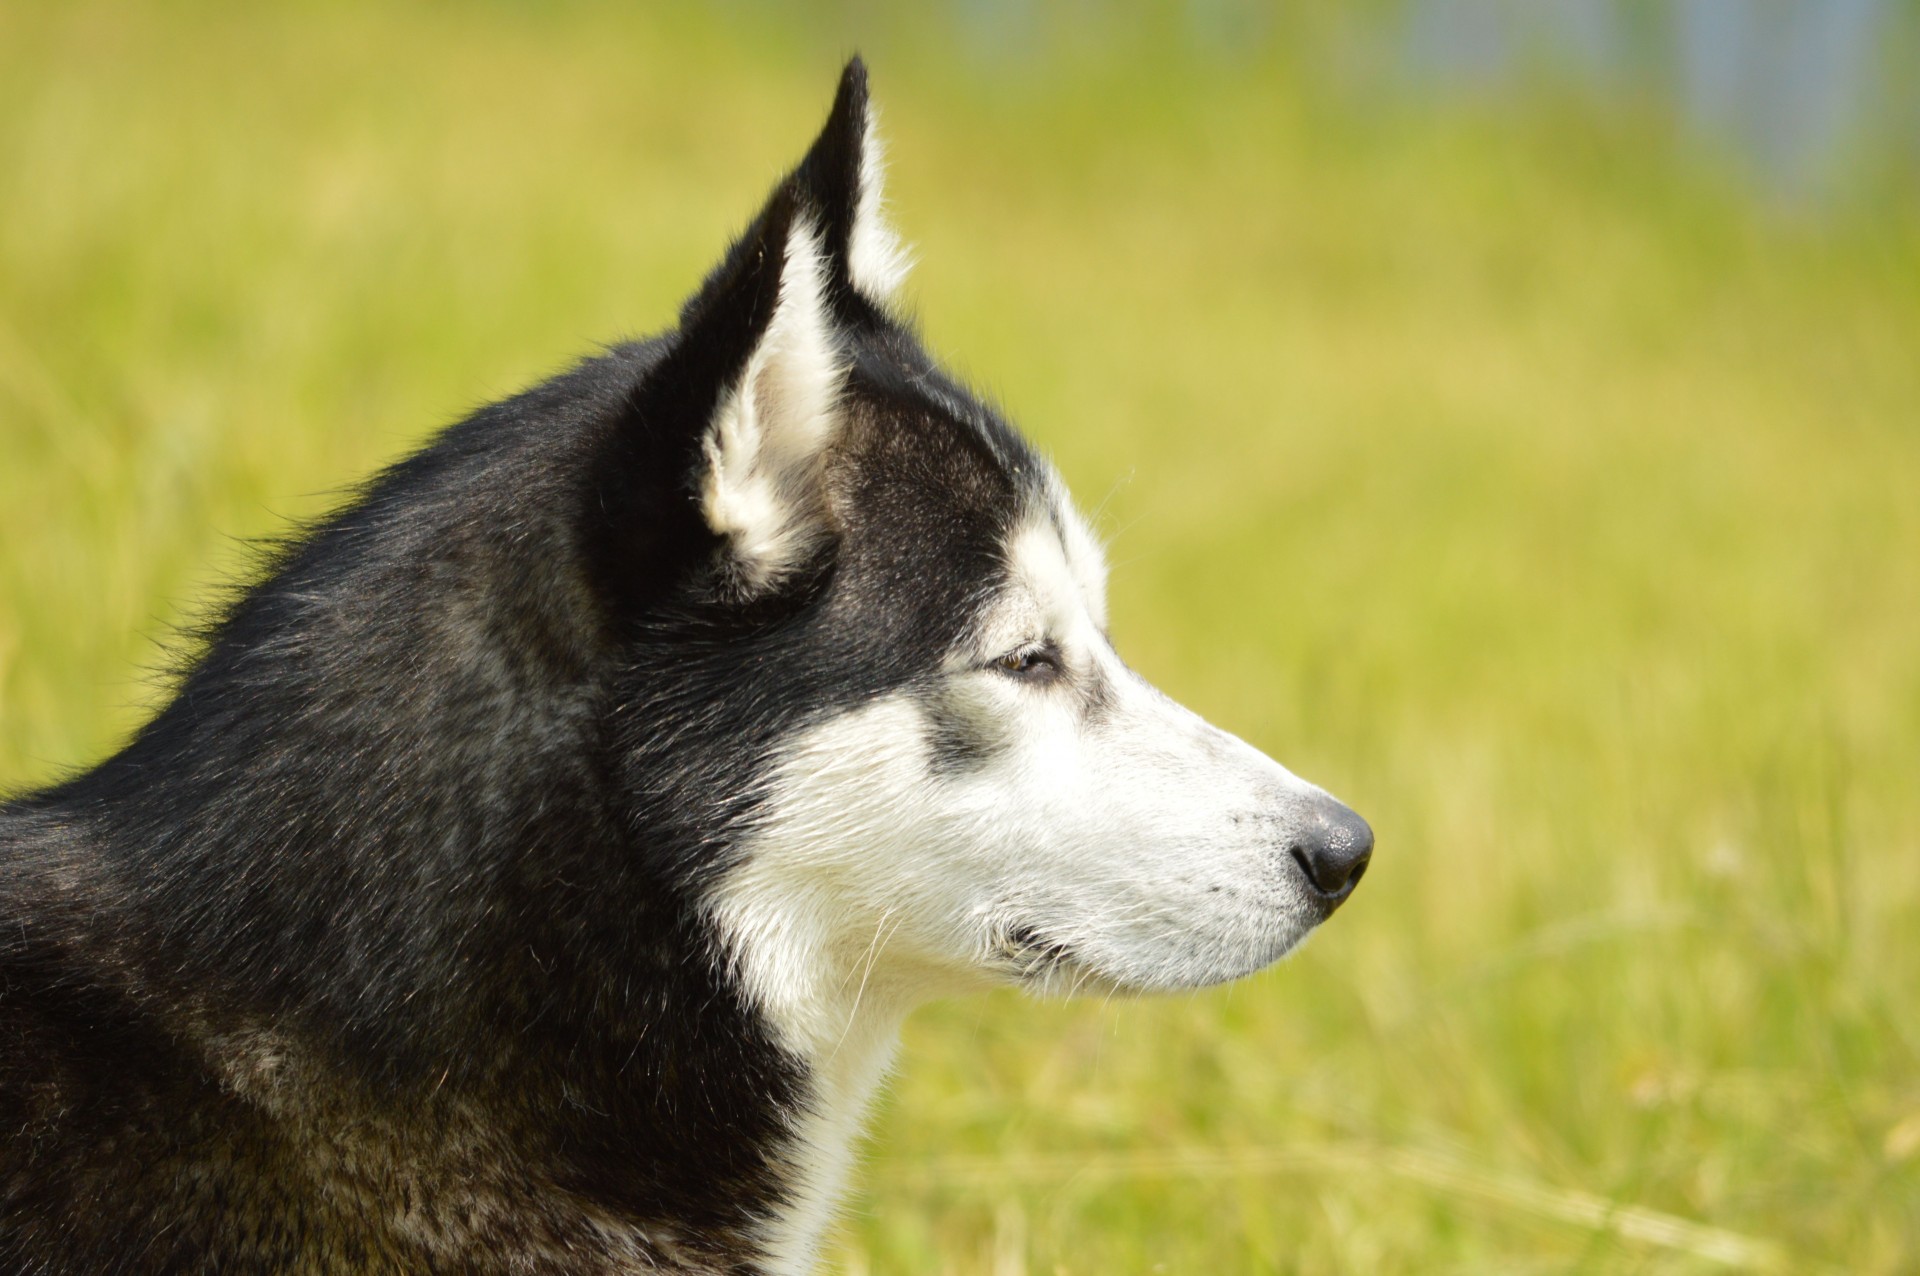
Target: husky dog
(533,871)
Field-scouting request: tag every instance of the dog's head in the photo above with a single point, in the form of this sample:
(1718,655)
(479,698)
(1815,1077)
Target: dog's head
(971,786)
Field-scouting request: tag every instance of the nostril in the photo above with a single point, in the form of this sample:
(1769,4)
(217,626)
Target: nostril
(1306,865)
(1329,874)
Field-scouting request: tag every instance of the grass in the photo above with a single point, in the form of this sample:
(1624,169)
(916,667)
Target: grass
(1505,469)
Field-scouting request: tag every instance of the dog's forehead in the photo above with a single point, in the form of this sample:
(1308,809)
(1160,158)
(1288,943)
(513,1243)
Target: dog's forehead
(1085,561)
(950,504)
(1054,588)
(923,451)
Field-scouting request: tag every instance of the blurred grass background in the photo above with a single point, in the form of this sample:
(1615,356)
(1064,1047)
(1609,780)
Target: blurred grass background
(1503,456)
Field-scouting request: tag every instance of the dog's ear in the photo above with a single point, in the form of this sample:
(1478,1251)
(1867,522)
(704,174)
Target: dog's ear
(755,372)
(838,187)
(841,181)
(761,346)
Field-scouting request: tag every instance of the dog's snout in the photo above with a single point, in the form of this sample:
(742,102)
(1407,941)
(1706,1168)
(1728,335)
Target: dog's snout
(1333,848)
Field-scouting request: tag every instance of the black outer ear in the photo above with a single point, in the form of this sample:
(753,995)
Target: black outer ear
(826,187)
(728,317)
(644,493)
(831,178)
(723,323)
(720,328)
(647,489)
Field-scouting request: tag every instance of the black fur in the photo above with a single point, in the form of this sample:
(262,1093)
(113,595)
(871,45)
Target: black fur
(379,947)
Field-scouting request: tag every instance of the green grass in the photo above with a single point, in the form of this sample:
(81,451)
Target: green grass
(1503,469)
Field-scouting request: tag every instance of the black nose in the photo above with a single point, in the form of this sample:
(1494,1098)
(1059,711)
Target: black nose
(1333,848)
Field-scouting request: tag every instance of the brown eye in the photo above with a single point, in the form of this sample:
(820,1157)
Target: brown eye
(1036,664)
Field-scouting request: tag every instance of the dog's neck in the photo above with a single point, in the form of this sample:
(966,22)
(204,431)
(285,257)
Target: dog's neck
(835,999)
(844,1076)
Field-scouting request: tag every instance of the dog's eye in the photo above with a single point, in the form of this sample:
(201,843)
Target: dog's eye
(1036,664)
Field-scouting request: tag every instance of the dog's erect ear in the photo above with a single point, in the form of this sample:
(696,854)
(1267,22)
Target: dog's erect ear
(838,188)
(755,373)
(840,181)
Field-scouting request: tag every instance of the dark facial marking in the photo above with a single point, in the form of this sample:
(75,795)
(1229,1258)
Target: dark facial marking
(960,739)
(1096,693)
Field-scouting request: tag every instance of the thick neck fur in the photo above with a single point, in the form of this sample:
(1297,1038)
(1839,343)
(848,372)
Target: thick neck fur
(376,922)
(834,1000)
(444,920)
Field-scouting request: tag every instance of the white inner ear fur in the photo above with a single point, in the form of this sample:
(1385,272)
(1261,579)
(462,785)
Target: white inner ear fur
(877,262)
(772,429)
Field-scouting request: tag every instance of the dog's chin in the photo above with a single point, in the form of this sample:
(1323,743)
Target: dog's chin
(1065,975)
(1052,969)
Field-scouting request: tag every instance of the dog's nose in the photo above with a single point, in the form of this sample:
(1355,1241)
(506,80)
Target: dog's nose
(1333,848)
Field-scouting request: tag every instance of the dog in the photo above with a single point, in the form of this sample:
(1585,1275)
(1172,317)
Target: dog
(533,870)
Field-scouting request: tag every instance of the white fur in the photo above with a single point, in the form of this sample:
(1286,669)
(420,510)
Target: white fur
(877,262)
(1081,549)
(818,965)
(1141,844)
(770,434)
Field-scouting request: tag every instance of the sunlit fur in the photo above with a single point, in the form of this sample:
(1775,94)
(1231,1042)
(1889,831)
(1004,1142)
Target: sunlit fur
(532,872)
(877,259)
(1140,847)
(763,451)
